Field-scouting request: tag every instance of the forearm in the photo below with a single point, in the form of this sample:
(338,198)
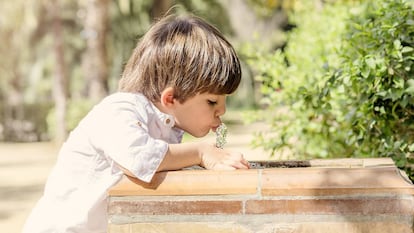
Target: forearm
(206,155)
(181,155)
(203,154)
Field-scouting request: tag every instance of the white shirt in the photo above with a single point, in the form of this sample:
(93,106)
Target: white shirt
(124,129)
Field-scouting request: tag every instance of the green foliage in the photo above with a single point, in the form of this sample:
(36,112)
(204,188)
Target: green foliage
(343,87)
(290,79)
(377,74)
(267,8)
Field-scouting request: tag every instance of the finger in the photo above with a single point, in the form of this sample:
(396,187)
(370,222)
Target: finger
(242,165)
(223,167)
(246,163)
(242,160)
(236,160)
(237,163)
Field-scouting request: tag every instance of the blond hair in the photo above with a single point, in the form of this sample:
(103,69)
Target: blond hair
(183,52)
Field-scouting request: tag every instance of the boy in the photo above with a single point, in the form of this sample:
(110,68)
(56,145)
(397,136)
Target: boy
(176,81)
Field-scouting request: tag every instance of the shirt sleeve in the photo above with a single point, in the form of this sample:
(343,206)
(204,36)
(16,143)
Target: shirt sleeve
(119,131)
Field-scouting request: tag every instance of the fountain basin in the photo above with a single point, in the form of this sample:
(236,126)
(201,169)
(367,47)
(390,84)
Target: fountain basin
(344,195)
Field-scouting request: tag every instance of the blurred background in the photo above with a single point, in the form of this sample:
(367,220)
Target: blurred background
(321,78)
(59,57)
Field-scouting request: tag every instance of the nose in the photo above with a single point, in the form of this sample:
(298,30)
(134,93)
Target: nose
(221,110)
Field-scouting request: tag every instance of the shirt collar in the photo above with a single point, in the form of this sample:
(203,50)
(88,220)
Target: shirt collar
(166,119)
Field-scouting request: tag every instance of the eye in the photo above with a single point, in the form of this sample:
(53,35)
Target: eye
(212,102)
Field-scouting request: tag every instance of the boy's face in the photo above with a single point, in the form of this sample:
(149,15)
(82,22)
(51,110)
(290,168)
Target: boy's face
(199,114)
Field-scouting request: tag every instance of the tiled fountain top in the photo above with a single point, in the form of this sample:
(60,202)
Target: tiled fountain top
(281,178)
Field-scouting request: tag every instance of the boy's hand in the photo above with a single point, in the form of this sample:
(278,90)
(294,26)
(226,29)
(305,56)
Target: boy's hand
(214,158)
(204,154)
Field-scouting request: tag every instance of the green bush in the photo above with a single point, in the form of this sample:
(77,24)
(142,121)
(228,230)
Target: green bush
(292,78)
(344,85)
(377,75)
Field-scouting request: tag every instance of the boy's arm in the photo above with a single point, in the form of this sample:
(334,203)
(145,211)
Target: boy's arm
(204,154)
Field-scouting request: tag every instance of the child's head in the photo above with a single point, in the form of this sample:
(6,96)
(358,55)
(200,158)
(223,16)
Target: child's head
(185,53)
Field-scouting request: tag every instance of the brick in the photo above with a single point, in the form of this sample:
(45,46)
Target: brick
(193,227)
(113,228)
(352,162)
(354,206)
(242,227)
(333,181)
(353,227)
(338,163)
(174,207)
(190,182)
(378,162)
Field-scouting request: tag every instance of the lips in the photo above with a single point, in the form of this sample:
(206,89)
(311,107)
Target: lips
(214,128)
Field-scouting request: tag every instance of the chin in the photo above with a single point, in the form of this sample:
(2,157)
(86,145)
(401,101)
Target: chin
(198,134)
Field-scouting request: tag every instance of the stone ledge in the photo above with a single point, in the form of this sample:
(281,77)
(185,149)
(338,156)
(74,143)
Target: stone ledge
(348,179)
(190,182)
(334,181)
(267,227)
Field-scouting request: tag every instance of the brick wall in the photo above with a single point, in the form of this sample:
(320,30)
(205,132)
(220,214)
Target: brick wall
(348,195)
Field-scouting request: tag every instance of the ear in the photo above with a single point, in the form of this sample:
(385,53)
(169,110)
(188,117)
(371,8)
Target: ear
(167,97)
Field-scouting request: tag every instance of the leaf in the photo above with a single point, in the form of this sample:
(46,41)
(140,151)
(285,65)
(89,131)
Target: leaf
(407,49)
(410,88)
(399,83)
(365,72)
(381,93)
(397,44)
(370,62)
(411,147)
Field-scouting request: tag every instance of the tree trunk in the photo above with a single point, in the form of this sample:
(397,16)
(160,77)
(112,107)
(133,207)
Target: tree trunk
(94,60)
(14,108)
(60,84)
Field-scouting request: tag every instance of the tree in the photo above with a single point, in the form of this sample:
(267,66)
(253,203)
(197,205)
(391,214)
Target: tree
(60,81)
(18,24)
(95,59)
(63,56)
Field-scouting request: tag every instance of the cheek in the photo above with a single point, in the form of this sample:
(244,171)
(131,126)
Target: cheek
(192,119)
(197,116)
(206,114)
(199,120)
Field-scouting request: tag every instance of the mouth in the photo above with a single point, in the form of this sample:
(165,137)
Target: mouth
(214,128)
